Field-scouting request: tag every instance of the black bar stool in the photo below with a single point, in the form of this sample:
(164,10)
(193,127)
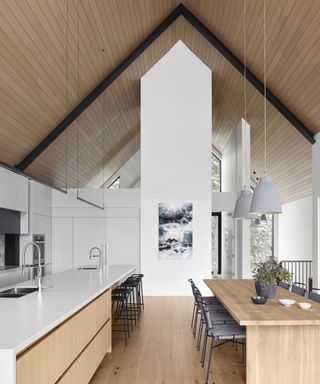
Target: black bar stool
(139,276)
(120,314)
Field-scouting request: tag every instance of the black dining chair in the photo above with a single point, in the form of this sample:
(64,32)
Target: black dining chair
(227,332)
(196,311)
(313,295)
(214,304)
(221,316)
(284,285)
(299,289)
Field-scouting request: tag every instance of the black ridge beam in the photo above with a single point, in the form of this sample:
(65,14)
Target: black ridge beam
(100,88)
(258,84)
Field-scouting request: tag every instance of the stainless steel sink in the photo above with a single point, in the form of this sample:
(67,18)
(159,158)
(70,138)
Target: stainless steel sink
(88,268)
(17,292)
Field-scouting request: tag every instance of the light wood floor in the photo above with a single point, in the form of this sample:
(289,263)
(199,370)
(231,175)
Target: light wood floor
(162,351)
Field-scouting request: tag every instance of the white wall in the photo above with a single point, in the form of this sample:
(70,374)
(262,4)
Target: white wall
(223,201)
(176,165)
(235,170)
(229,165)
(316,211)
(295,230)
(79,227)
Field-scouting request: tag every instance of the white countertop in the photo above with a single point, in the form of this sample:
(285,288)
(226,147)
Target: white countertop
(26,319)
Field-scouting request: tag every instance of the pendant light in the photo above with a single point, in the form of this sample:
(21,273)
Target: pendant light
(242,208)
(265,197)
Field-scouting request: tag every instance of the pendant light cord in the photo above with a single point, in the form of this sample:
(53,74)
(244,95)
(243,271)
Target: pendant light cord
(245,61)
(265,86)
(245,85)
(78,80)
(67,84)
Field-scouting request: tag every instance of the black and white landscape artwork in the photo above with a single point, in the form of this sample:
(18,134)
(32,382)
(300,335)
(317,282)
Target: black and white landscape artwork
(175,231)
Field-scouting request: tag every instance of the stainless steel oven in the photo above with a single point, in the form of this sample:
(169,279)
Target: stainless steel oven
(40,240)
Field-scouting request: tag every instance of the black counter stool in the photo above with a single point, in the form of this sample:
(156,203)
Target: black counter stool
(132,285)
(120,314)
(139,276)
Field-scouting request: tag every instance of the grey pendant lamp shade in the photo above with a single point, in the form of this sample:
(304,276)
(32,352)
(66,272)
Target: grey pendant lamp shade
(265,197)
(242,208)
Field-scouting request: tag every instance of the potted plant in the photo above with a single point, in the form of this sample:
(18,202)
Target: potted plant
(267,274)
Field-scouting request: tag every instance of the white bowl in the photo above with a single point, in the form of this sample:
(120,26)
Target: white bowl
(287,302)
(304,305)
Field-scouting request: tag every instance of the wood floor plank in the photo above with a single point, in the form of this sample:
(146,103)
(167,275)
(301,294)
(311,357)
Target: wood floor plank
(162,351)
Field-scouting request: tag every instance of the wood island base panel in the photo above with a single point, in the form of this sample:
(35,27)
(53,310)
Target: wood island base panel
(61,334)
(53,355)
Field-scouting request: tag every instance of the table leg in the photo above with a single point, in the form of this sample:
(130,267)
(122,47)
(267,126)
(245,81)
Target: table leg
(283,354)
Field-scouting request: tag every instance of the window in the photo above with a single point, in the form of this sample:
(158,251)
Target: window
(115,184)
(216,243)
(216,174)
(261,238)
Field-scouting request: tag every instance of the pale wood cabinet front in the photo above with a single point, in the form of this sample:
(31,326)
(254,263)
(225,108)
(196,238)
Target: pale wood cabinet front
(83,368)
(48,359)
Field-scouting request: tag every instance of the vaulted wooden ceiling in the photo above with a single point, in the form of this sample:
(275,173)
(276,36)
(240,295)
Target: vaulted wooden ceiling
(40,81)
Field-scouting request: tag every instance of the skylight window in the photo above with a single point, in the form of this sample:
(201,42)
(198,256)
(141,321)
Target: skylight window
(216,174)
(115,184)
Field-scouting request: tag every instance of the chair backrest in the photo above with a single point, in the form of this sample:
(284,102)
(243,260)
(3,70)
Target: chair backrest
(314,296)
(197,294)
(205,314)
(298,290)
(192,285)
(284,285)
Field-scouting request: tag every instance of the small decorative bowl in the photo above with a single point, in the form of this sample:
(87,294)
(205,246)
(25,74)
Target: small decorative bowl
(304,305)
(287,302)
(259,299)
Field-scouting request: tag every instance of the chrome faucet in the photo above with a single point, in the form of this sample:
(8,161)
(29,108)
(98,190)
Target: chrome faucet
(91,255)
(39,276)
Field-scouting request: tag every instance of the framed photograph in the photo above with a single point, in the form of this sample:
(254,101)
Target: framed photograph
(175,231)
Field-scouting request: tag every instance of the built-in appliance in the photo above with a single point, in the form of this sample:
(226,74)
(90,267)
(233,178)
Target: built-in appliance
(40,241)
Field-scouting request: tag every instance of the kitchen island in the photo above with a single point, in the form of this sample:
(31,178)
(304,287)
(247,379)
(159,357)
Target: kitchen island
(55,335)
(283,343)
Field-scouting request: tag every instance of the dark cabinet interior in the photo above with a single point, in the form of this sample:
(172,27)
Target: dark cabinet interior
(9,221)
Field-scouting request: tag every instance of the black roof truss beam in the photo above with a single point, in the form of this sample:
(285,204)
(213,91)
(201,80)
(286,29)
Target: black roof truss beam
(180,10)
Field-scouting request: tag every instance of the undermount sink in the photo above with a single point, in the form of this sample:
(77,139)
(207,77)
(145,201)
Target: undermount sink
(88,268)
(17,292)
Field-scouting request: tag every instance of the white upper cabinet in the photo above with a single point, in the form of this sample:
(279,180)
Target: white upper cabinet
(41,199)
(13,191)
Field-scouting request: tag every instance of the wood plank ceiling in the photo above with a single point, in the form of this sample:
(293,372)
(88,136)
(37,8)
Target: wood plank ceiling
(40,81)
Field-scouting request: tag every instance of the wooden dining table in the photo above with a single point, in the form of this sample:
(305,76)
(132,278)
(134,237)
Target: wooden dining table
(283,343)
